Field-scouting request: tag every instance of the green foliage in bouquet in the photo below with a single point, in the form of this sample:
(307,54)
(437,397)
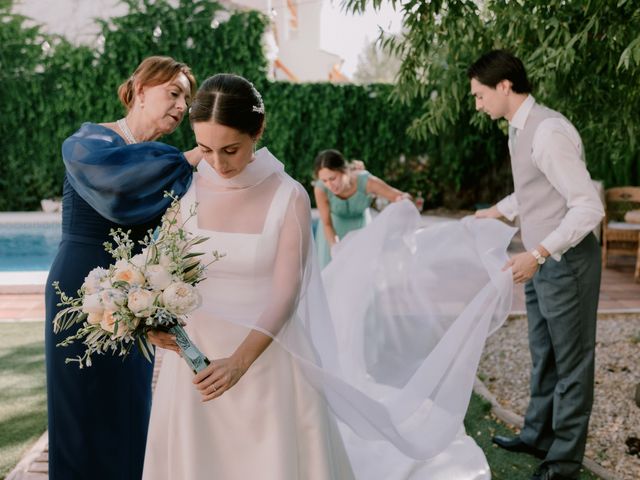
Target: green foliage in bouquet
(154,289)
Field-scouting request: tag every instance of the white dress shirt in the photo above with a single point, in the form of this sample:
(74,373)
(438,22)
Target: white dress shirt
(557,153)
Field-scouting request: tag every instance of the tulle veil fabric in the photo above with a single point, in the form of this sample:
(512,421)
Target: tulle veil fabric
(392,331)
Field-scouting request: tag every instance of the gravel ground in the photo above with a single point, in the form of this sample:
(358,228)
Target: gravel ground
(505,365)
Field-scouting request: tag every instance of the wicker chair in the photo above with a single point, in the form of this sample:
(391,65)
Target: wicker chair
(620,237)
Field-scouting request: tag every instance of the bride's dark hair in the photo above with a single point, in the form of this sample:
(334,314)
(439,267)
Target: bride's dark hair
(229,100)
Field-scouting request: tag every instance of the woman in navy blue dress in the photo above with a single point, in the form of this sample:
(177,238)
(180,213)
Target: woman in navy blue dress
(116,174)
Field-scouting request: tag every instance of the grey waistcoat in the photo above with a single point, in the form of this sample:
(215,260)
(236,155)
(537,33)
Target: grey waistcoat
(540,206)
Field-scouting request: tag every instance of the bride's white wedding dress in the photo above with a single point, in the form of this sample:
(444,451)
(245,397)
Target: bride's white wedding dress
(393,351)
(272,425)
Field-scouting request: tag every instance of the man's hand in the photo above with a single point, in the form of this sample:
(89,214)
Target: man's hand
(492,212)
(523,266)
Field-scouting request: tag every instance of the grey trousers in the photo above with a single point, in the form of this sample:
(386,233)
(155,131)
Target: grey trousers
(562,304)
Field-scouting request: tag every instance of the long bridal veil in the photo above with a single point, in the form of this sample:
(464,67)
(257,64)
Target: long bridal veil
(392,331)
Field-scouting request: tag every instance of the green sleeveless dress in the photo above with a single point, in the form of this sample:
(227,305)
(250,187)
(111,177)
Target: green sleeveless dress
(346,215)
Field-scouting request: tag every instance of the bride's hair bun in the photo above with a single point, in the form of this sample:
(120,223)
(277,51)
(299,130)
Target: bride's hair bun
(232,101)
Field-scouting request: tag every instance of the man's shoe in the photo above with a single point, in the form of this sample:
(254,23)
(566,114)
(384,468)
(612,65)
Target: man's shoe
(514,444)
(545,473)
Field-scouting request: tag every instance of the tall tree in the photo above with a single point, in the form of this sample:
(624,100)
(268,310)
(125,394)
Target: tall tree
(376,65)
(583,57)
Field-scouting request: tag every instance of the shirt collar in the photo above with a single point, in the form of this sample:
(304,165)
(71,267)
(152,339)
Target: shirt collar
(520,117)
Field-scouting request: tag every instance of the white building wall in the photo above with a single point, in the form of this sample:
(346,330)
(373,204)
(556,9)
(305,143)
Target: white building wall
(298,48)
(74,19)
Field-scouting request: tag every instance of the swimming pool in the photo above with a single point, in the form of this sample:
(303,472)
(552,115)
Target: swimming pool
(28,247)
(29,241)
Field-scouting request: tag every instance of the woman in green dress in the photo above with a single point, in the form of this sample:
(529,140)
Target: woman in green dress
(343,196)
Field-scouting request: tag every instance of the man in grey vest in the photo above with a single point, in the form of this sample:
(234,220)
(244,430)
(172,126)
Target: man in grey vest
(558,207)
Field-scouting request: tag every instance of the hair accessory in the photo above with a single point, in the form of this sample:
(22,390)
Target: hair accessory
(258,109)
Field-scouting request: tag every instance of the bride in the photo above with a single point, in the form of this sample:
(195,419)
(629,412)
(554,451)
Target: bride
(369,380)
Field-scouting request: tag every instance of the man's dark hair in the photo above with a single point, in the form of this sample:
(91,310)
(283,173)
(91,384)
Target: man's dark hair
(497,65)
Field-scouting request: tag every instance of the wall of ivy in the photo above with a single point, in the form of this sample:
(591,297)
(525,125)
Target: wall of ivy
(49,87)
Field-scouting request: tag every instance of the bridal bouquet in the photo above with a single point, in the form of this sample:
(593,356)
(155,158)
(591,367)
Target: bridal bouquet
(155,289)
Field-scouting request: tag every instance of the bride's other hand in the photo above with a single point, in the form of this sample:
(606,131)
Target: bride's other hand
(492,212)
(193,156)
(224,373)
(163,340)
(218,377)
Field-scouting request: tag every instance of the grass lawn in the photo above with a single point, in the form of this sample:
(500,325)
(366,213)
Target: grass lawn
(23,408)
(481,425)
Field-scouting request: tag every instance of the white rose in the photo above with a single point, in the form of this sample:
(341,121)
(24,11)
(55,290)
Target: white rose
(139,260)
(181,298)
(158,277)
(112,298)
(125,272)
(92,282)
(140,302)
(106,283)
(166,262)
(95,318)
(92,304)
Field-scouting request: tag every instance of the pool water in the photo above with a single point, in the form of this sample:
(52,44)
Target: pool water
(28,247)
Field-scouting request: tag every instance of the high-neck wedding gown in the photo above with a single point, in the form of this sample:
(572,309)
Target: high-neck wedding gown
(379,360)
(272,425)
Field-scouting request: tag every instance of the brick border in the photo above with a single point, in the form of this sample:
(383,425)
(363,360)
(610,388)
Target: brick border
(515,420)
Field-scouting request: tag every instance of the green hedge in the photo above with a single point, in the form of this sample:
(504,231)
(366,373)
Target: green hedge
(47,93)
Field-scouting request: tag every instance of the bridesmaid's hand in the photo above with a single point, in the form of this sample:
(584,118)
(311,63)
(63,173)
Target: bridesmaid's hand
(163,340)
(492,212)
(403,196)
(218,377)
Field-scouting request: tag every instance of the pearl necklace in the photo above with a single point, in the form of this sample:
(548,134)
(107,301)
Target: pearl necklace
(122,125)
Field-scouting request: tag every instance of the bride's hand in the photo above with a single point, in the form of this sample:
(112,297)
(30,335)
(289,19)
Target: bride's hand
(163,340)
(218,377)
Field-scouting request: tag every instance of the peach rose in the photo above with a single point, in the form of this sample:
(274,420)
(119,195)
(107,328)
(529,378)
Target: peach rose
(126,272)
(108,323)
